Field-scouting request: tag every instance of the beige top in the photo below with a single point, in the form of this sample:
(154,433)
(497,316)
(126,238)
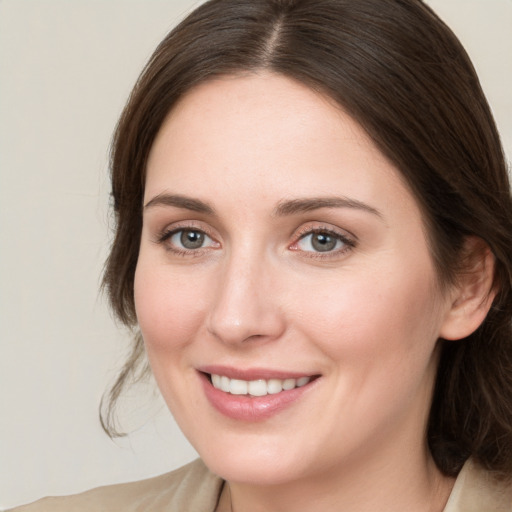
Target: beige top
(193,488)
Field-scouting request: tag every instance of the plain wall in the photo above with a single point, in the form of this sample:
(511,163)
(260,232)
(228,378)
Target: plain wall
(66,68)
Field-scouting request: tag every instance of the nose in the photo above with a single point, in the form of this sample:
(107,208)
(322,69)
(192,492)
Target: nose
(246,303)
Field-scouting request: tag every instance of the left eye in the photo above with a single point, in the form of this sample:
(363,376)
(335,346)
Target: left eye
(190,239)
(321,241)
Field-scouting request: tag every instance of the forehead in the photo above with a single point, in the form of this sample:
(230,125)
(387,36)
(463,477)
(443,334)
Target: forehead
(266,136)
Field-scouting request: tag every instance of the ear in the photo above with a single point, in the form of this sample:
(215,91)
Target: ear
(472,295)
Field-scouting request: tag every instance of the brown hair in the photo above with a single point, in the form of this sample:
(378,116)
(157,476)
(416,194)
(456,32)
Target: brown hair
(403,75)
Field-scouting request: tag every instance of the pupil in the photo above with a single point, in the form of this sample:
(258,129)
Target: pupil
(323,243)
(192,239)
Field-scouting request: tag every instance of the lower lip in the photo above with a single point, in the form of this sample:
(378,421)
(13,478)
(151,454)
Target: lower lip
(251,408)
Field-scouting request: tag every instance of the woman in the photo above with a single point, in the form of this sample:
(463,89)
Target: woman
(314,237)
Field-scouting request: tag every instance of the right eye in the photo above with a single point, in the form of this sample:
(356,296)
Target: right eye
(187,240)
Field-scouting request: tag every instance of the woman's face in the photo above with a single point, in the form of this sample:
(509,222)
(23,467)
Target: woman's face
(282,253)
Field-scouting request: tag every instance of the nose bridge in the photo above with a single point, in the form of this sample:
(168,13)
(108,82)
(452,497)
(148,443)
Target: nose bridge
(245,306)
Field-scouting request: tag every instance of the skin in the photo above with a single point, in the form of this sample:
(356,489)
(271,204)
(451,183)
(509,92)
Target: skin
(365,316)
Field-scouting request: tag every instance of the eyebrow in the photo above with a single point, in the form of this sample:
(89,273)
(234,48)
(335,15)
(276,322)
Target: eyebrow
(180,201)
(284,208)
(295,206)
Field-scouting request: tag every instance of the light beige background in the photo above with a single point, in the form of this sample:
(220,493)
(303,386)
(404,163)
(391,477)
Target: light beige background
(66,68)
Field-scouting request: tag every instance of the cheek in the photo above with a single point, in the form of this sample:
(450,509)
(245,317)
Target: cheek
(378,335)
(169,309)
(374,317)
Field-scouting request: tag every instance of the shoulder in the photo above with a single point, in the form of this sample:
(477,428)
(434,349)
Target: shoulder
(477,489)
(191,487)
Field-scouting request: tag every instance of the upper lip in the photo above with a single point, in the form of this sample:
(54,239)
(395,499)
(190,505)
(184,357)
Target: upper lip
(252,373)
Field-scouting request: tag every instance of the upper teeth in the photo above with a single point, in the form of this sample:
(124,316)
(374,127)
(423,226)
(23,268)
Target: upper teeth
(258,387)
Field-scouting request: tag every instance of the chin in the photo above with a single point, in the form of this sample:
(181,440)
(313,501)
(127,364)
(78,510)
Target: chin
(244,469)
(255,459)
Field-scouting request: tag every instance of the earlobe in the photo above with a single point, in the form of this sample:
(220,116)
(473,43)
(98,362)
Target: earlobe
(473,292)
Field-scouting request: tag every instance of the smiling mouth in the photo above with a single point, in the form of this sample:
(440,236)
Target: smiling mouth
(255,394)
(258,387)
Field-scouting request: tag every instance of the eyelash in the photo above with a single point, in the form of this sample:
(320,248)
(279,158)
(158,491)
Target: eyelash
(348,243)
